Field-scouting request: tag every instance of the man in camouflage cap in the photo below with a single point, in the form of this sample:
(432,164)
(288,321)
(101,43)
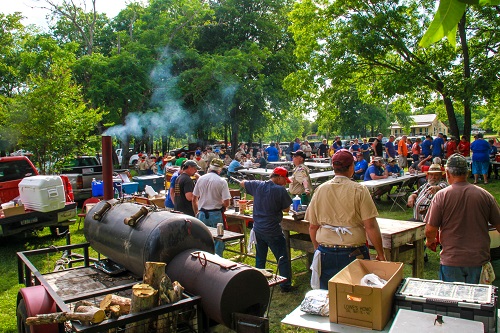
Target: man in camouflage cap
(461,212)
(211,197)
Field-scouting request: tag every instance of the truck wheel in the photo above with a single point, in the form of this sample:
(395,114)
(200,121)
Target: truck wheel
(63,230)
(21,315)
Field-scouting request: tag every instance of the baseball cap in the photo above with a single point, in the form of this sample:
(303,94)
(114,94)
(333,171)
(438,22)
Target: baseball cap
(299,153)
(342,158)
(378,159)
(217,162)
(198,152)
(282,172)
(456,161)
(390,160)
(190,163)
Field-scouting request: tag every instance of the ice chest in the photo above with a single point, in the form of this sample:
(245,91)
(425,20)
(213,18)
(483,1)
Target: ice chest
(42,193)
(454,299)
(420,322)
(157,182)
(97,188)
(357,305)
(130,187)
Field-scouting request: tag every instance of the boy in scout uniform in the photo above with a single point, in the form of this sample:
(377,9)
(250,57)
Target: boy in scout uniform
(301,182)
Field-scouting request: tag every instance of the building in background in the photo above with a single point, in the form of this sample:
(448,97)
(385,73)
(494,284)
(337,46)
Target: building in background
(423,124)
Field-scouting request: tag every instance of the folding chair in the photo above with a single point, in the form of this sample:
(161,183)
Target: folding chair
(399,197)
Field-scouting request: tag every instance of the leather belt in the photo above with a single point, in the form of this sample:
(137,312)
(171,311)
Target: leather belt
(341,246)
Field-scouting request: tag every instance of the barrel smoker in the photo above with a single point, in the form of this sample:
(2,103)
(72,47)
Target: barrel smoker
(130,235)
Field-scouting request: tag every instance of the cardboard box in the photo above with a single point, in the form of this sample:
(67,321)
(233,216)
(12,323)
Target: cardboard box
(160,202)
(13,211)
(357,305)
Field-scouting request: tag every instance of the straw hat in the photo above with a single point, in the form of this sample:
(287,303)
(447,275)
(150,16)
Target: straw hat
(435,168)
(169,158)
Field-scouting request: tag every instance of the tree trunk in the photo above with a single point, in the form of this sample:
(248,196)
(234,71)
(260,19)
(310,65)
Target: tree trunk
(234,130)
(467,86)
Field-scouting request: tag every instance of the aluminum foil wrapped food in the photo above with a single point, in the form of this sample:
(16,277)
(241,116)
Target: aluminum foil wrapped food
(316,302)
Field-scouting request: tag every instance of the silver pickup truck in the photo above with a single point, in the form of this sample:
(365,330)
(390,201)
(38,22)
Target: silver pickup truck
(81,171)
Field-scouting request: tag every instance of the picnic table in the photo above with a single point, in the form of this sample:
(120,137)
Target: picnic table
(318,177)
(281,162)
(403,241)
(318,165)
(372,185)
(258,173)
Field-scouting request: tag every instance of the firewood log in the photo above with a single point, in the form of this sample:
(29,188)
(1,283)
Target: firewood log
(111,299)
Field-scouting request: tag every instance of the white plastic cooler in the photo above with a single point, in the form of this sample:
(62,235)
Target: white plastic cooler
(42,193)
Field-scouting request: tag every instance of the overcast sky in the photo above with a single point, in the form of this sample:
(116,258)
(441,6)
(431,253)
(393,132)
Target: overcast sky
(36,15)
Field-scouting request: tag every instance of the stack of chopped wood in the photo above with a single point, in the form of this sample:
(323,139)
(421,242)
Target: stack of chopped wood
(156,289)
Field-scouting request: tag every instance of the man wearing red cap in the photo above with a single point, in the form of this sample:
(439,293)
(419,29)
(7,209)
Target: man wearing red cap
(269,202)
(338,232)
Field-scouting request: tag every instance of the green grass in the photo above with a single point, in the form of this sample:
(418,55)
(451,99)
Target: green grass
(281,304)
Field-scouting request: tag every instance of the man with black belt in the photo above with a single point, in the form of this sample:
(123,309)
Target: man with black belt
(211,194)
(338,232)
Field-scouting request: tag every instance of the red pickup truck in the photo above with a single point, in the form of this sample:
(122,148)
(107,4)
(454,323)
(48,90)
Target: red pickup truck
(12,171)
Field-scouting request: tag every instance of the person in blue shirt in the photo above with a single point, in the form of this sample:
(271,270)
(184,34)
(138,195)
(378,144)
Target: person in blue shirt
(272,153)
(365,149)
(360,167)
(480,158)
(376,171)
(426,146)
(392,167)
(438,146)
(337,144)
(355,147)
(296,145)
(390,150)
(493,154)
(270,201)
(234,166)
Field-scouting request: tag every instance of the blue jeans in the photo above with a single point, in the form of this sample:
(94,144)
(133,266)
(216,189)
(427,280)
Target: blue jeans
(460,274)
(277,244)
(212,220)
(333,260)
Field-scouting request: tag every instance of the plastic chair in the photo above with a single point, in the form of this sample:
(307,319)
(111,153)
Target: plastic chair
(88,202)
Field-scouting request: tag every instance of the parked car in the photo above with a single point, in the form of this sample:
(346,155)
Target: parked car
(132,160)
(314,146)
(21,152)
(20,219)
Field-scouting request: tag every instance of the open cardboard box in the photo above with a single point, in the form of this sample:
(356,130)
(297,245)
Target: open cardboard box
(357,305)
(13,211)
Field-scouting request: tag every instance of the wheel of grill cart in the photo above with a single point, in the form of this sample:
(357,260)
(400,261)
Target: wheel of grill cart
(62,230)
(21,315)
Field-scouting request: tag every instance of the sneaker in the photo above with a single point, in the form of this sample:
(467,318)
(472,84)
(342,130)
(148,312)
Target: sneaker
(288,289)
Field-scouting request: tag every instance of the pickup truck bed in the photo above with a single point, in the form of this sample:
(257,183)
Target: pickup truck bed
(80,174)
(33,220)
